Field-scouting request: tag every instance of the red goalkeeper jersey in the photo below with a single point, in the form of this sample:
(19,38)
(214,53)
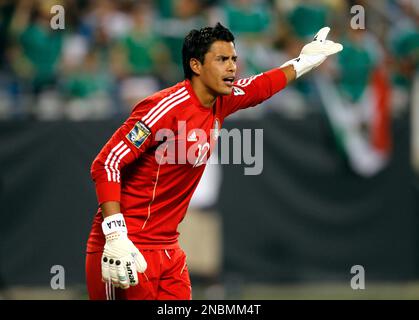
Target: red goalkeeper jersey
(152,164)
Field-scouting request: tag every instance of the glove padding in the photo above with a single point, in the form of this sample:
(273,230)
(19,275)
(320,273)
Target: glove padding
(314,53)
(121,260)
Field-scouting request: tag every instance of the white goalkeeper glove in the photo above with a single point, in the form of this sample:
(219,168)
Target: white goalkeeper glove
(121,260)
(314,53)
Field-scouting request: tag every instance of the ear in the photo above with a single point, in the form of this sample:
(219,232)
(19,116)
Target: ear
(195,65)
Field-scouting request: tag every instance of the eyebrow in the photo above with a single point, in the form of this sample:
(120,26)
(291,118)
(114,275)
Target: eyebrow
(223,56)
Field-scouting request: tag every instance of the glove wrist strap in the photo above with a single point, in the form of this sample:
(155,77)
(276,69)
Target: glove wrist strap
(114,223)
(294,63)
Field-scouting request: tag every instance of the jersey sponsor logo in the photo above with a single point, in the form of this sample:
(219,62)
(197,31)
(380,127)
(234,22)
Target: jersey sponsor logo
(238,91)
(138,134)
(192,137)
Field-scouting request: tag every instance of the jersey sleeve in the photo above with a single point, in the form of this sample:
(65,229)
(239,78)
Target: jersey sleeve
(128,143)
(251,91)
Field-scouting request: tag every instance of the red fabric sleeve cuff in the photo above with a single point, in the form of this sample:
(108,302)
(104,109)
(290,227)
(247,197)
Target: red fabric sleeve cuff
(278,79)
(108,191)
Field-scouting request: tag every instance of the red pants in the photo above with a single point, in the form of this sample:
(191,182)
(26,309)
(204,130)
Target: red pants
(166,278)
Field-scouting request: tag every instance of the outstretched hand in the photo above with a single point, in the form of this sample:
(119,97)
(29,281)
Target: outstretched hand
(314,53)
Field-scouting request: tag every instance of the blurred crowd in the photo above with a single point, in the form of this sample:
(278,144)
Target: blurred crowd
(113,53)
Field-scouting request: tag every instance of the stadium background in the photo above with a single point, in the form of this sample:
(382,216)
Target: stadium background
(339,185)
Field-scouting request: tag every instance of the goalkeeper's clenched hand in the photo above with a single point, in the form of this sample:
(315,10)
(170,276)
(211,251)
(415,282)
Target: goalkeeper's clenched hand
(314,53)
(121,260)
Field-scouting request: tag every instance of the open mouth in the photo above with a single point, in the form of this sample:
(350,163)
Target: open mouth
(229,81)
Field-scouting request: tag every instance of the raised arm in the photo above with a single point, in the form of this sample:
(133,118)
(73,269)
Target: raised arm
(251,91)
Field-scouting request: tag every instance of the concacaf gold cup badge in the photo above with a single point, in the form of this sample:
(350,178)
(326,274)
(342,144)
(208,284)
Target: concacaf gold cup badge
(138,134)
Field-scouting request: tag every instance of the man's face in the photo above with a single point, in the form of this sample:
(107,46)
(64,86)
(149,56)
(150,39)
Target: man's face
(219,68)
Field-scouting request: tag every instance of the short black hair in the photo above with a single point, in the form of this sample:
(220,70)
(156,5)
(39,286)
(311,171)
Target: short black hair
(198,42)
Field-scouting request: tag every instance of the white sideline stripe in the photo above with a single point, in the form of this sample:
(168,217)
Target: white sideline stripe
(168,109)
(117,163)
(154,191)
(165,105)
(109,157)
(111,165)
(161,102)
(145,275)
(167,254)
(184,265)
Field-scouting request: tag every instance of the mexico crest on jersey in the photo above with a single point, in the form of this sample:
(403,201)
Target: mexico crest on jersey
(216,129)
(138,134)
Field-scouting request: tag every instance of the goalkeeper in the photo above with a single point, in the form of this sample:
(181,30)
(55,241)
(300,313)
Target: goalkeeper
(133,250)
